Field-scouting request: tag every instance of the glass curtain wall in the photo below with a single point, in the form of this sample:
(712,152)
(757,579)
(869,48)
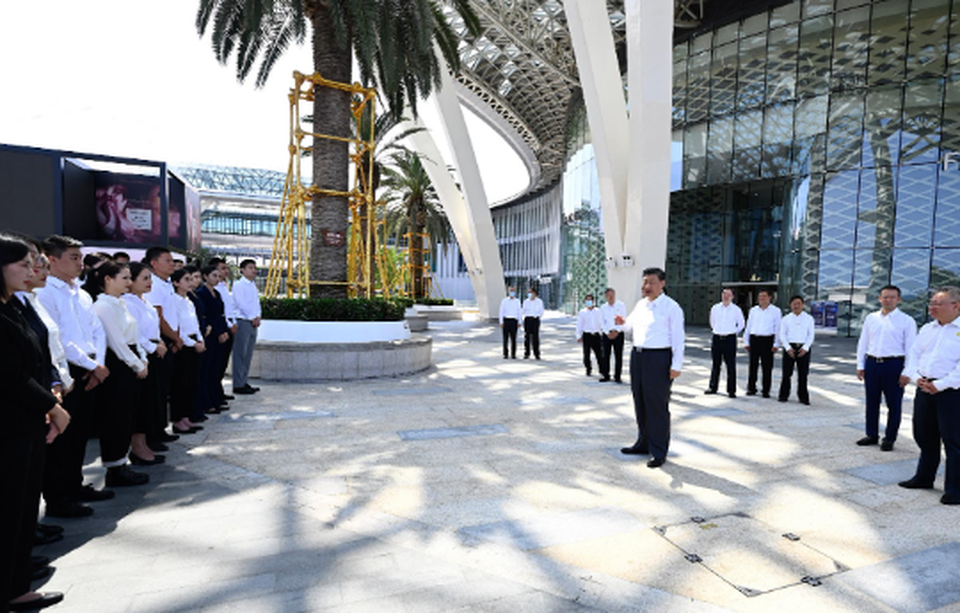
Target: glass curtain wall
(820,155)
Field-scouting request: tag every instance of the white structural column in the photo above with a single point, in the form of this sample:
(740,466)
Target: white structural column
(596,56)
(650,83)
(472,210)
(632,149)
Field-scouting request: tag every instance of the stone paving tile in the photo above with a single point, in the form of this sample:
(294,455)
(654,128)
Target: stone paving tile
(304,497)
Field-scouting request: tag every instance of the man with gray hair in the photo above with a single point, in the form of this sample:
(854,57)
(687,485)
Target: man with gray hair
(933,363)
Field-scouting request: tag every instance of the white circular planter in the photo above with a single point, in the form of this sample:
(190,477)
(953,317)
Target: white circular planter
(337,351)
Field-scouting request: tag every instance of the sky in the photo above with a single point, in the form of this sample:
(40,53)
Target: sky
(132,78)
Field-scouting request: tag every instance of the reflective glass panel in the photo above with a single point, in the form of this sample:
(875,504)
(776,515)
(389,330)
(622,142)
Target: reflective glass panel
(809,152)
(679,93)
(701,42)
(746,146)
(915,196)
(881,126)
(812,8)
(752,76)
(777,140)
(953,59)
(840,210)
(782,15)
(947,221)
(782,64)
(698,88)
(720,150)
(850,44)
(920,138)
(950,126)
(723,80)
(911,273)
(929,26)
(834,280)
(816,44)
(946,268)
(755,24)
(694,155)
(846,127)
(727,34)
(888,43)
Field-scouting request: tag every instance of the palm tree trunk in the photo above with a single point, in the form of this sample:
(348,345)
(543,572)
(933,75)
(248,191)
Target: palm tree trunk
(331,112)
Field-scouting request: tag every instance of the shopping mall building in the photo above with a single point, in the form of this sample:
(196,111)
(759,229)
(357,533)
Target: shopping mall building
(815,151)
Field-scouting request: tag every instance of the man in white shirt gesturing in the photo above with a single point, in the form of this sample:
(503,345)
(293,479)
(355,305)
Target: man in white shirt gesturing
(656,360)
(726,321)
(885,340)
(796,337)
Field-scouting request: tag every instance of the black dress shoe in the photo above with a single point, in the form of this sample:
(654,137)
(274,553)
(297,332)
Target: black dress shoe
(886,445)
(198,419)
(732,394)
(243,390)
(916,484)
(780,399)
(228,397)
(656,462)
(47,599)
(216,411)
(124,476)
(709,392)
(49,528)
(39,574)
(635,450)
(950,499)
(187,430)
(766,395)
(138,461)
(618,380)
(68,509)
(868,440)
(158,447)
(751,393)
(604,379)
(39,562)
(163,437)
(39,538)
(526,357)
(88,494)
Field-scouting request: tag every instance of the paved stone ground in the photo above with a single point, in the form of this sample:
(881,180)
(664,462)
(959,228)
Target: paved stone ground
(491,485)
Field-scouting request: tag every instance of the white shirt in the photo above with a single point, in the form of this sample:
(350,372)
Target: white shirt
(509,309)
(886,336)
(57,354)
(658,324)
(936,355)
(763,322)
(161,295)
(589,322)
(796,329)
(62,302)
(726,319)
(148,321)
(229,305)
(96,326)
(188,325)
(532,307)
(246,299)
(607,314)
(121,331)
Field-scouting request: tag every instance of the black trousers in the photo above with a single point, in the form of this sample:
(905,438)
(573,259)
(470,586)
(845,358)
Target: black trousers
(803,369)
(22,457)
(883,378)
(63,468)
(117,399)
(724,349)
(226,352)
(936,418)
(186,371)
(509,332)
(612,347)
(761,354)
(591,342)
(531,336)
(147,409)
(209,388)
(165,377)
(650,383)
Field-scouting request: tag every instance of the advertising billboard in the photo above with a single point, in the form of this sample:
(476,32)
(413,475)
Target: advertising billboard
(128,208)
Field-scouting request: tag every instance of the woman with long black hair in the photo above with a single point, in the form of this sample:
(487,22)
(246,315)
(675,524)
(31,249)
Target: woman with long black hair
(186,365)
(150,414)
(29,406)
(209,392)
(127,363)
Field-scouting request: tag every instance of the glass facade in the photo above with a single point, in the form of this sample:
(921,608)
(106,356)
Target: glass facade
(820,155)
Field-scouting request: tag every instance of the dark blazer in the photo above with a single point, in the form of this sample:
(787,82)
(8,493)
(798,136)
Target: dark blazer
(213,306)
(24,375)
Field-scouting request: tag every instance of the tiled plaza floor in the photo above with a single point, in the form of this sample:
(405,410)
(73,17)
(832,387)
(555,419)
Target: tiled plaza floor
(490,485)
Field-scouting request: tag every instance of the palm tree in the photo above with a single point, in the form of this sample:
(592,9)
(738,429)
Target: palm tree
(413,209)
(393,44)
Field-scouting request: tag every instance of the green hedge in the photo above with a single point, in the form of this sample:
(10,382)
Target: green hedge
(435,301)
(332,309)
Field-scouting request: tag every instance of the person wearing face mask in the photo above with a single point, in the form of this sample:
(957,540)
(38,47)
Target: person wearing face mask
(532,311)
(510,313)
(589,329)
(127,362)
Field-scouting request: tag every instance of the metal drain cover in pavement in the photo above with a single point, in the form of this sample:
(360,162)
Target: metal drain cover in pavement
(748,554)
